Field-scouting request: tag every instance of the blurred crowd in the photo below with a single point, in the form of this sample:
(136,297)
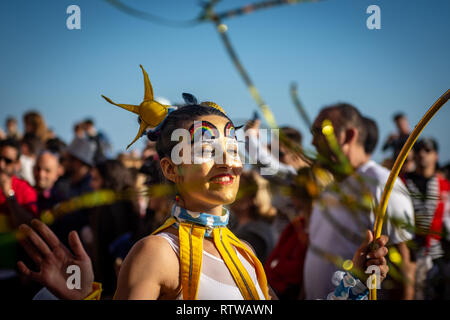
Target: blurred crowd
(301,221)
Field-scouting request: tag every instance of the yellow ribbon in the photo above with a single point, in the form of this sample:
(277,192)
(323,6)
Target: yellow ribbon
(191,252)
(397,167)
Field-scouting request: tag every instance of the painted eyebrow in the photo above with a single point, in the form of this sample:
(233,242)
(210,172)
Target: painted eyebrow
(205,126)
(229,126)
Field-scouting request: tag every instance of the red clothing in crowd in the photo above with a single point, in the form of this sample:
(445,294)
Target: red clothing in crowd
(25,195)
(284,266)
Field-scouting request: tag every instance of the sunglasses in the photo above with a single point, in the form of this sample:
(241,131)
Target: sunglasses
(7,160)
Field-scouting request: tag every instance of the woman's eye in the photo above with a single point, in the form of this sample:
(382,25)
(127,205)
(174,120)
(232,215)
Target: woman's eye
(206,153)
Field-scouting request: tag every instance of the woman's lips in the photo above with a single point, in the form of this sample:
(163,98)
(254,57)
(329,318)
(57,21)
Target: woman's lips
(224,179)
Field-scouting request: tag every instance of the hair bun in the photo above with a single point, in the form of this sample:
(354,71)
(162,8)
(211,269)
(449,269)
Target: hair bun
(153,136)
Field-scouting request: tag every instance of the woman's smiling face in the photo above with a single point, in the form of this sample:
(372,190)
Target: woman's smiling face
(211,178)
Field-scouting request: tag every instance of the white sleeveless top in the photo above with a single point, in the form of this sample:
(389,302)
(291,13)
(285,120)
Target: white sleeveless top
(216,281)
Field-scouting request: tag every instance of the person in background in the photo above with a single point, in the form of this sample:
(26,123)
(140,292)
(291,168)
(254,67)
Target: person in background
(339,217)
(396,141)
(34,124)
(99,138)
(17,197)
(78,161)
(372,135)
(30,147)
(12,130)
(150,150)
(284,266)
(47,171)
(17,206)
(159,194)
(430,191)
(254,214)
(78,130)
(109,222)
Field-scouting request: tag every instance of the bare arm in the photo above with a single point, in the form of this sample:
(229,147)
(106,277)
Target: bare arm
(151,269)
(19,215)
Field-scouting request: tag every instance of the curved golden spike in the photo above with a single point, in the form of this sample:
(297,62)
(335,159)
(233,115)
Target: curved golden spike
(129,107)
(140,132)
(212,105)
(148,86)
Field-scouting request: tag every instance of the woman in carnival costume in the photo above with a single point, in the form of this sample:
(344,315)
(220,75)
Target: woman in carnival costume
(193,255)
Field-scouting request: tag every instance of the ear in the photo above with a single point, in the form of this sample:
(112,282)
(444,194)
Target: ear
(60,170)
(351,134)
(170,170)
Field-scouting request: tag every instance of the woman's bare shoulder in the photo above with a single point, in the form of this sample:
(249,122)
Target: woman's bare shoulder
(150,269)
(152,247)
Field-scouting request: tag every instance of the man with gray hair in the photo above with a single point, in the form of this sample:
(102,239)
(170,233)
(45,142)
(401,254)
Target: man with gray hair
(345,209)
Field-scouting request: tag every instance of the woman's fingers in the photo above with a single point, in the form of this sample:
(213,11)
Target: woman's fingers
(36,240)
(27,272)
(76,246)
(31,251)
(49,237)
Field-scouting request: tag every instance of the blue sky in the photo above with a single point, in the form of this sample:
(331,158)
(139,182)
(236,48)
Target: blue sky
(325,47)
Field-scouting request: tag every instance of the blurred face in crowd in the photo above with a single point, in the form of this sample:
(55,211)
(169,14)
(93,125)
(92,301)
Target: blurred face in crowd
(72,165)
(96,179)
(402,125)
(8,160)
(426,157)
(347,137)
(46,171)
(207,184)
(319,141)
(11,126)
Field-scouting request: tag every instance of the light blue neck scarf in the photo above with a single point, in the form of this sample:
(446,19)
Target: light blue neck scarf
(207,220)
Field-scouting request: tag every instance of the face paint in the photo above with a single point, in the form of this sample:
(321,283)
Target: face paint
(229,130)
(212,149)
(203,130)
(212,176)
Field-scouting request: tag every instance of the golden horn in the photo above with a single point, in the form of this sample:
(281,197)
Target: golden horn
(129,107)
(151,112)
(140,132)
(148,95)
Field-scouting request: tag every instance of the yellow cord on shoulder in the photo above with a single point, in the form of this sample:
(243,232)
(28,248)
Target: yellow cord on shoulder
(381,211)
(191,252)
(96,293)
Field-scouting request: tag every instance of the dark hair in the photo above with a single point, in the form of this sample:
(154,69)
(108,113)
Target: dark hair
(429,143)
(372,135)
(398,116)
(11,119)
(179,119)
(33,142)
(152,170)
(347,116)
(13,143)
(292,134)
(56,145)
(36,123)
(77,126)
(88,121)
(115,175)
